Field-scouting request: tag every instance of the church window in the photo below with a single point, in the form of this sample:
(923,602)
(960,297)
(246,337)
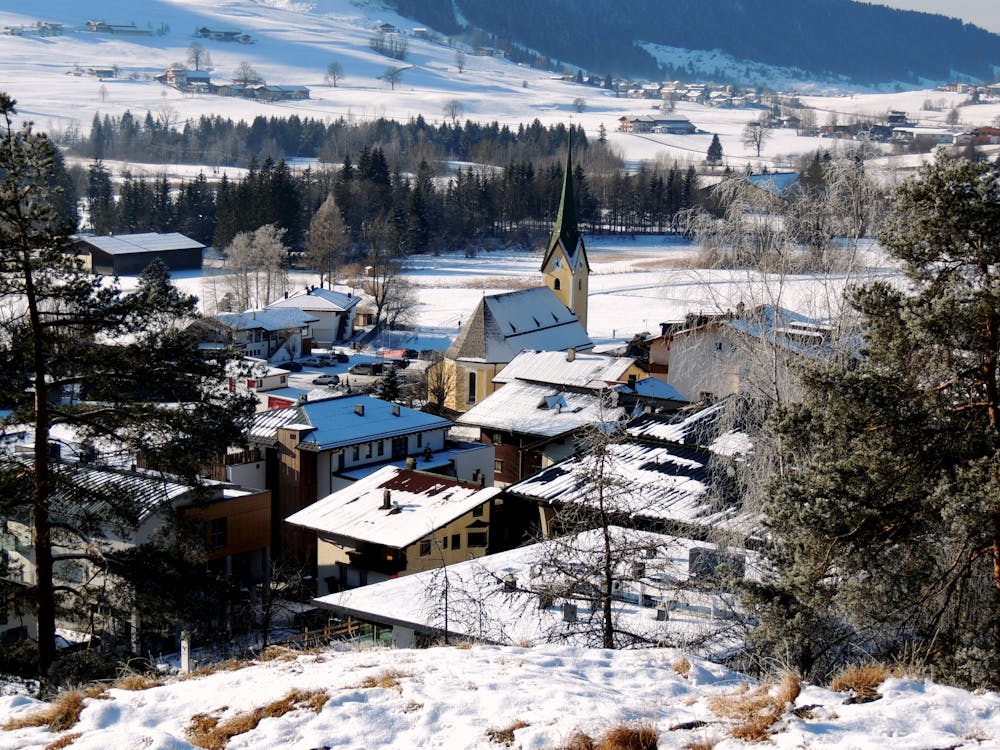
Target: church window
(557,285)
(472,388)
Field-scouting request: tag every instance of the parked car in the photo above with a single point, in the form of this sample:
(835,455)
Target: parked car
(327,380)
(367,368)
(292,366)
(340,357)
(312,362)
(411,353)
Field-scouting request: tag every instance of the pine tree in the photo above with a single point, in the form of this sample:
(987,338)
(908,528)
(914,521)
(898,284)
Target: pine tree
(715,150)
(886,519)
(69,330)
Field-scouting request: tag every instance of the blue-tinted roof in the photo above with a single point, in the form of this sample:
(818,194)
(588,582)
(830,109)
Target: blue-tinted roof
(778,183)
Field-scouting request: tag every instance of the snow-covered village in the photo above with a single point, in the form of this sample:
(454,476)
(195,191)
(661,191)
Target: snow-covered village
(402,374)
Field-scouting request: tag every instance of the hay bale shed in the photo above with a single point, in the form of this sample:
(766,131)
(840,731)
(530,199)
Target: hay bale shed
(129,254)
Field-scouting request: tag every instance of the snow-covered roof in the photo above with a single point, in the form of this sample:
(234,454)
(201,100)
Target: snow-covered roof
(268,320)
(504,324)
(419,504)
(146,242)
(495,598)
(583,370)
(697,428)
(343,420)
(539,409)
(317,300)
(640,480)
(652,388)
(779,326)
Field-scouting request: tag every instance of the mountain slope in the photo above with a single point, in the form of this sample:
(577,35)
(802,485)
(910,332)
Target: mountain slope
(835,39)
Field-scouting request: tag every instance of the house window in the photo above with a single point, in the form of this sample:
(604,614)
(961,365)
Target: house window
(444,542)
(284,379)
(218,529)
(381,447)
(557,285)
(579,284)
(477,538)
(477,512)
(355,452)
(498,466)
(420,440)
(368,450)
(425,547)
(251,383)
(718,346)
(472,388)
(456,541)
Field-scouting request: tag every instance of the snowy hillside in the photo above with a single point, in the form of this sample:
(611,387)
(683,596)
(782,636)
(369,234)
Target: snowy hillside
(468,697)
(293,43)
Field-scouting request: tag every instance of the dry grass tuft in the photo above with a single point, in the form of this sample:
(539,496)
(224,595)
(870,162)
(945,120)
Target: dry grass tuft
(226,666)
(682,667)
(629,737)
(387,679)
(58,716)
(700,745)
(862,680)
(505,736)
(137,682)
(757,711)
(578,741)
(277,653)
(464,645)
(204,730)
(65,741)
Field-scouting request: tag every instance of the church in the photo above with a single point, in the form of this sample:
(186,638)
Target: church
(552,317)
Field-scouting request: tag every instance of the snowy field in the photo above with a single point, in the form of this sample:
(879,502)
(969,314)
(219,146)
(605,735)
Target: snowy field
(295,41)
(634,286)
(452,698)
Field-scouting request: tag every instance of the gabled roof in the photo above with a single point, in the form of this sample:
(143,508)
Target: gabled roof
(420,504)
(147,242)
(699,428)
(652,388)
(500,595)
(539,409)
(335,422)
(317,300)
(641,480)
(774,325)
(566,234)
(504,324)
(267,320)
(584,370)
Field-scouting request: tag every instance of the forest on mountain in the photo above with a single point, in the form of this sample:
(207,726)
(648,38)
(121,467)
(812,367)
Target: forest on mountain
(838,39)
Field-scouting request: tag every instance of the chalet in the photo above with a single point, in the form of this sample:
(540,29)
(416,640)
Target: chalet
(909,135)
(533,425)
(223,35)
(231,523)
(396,522)
(256,376)
(119,29)
(670,595)
(310,450)
(669,124)
(656,478)
(185,79)
(726,354)
(572,369)
(129,254)
(333,311)
(986,135)
(273,335)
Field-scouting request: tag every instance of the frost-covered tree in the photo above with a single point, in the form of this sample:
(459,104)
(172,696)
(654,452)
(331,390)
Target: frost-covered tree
(257,262)
(327,240)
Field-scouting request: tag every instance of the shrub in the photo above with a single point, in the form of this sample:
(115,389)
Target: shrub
(861,680)
(505,736)
(629,737)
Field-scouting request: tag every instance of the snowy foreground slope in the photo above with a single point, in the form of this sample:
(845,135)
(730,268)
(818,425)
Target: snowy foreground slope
(452,698)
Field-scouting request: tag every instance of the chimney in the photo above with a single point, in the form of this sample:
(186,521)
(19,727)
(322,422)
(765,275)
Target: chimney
(569,612)
(662,614)
(570,354)
(386,499)
(359,409)
(286,295)
(631,382)
(411,463)
(663,328)
(509,583)
(395,410)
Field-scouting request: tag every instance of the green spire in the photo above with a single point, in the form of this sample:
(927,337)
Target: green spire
(565,228)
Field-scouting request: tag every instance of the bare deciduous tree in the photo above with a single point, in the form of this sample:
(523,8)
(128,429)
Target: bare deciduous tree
(198,57)
(257,263)
(392,75)
(460,60)
(755,135)
(334,73)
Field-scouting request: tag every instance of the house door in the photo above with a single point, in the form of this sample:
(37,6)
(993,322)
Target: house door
(399,445)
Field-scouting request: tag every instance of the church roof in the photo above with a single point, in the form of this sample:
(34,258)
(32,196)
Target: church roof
(566,233)
(504,324)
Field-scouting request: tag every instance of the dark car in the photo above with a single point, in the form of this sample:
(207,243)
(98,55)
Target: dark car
(340,357)
(367,368)
(292,366)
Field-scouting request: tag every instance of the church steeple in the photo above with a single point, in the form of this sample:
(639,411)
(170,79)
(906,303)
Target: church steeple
(565,265)
(566,228)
